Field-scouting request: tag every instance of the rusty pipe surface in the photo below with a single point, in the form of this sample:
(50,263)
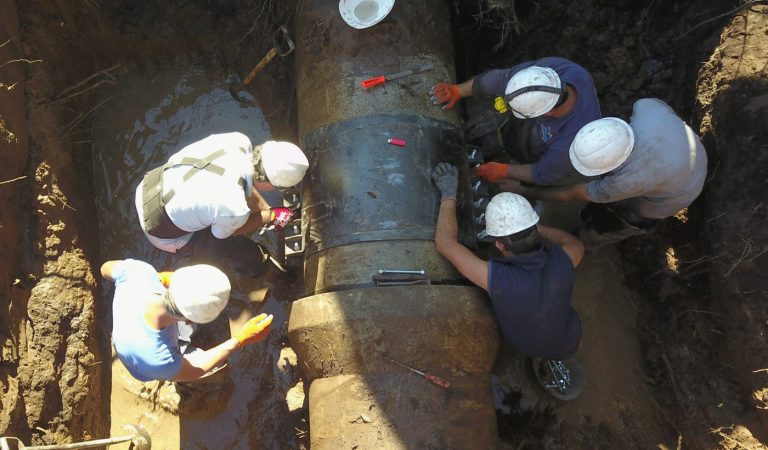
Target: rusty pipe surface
(367,206)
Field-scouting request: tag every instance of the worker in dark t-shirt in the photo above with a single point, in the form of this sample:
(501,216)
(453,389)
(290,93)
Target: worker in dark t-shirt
(529,286)
(550,98)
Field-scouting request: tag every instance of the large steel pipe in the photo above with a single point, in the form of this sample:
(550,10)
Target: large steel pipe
(368,206)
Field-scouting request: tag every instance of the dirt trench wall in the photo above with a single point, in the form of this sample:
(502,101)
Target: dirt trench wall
(53,377)
(703,276)
(54,372)
(732,97)
(14,152)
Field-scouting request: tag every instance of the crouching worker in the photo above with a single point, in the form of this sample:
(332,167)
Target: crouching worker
(151,330)
(550,100)
(529,285)
(651,168)
(209,191)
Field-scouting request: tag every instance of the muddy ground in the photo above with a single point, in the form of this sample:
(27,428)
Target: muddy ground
(678,341)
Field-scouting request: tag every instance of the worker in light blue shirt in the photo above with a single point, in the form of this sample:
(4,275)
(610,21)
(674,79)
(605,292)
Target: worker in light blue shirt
(148,316)
(551,99)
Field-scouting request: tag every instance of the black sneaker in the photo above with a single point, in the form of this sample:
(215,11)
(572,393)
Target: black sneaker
(563,379)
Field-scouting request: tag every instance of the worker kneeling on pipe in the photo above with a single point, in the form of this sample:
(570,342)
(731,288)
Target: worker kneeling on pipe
(154,316)
(651,168)
(529,286)
(209,191)
(552,97)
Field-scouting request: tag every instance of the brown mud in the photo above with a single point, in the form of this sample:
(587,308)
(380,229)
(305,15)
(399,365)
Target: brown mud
(674,343)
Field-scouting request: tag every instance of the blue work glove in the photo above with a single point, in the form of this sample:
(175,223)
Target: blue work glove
(446,178)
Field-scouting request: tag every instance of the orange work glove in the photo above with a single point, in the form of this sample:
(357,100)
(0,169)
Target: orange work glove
(165,278)
(255,330)
(445,93)
(492,171)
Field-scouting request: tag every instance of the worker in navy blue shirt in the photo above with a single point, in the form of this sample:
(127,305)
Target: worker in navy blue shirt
(553,96)
(530,285)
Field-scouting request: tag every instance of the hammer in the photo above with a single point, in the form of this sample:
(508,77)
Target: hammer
(282,45)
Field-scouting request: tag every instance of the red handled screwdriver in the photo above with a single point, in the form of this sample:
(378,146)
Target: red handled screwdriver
(375,81)
(429,377)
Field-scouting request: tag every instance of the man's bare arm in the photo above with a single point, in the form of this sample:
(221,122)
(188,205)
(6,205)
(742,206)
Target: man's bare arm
(108,267)
(576,192)
(447,244)
(258,200)
(520,172)
(198,364)
(255,221)
(572,246)
(465,88)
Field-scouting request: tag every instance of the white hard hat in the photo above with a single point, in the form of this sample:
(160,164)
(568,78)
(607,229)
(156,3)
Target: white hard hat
(509,213)
(283,163)
(601,146)
(533,103)
(199,292)
(364,13)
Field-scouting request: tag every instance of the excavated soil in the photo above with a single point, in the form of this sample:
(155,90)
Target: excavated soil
(675,323)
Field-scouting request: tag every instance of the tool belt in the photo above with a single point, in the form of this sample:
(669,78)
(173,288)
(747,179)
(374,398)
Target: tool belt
(156,220)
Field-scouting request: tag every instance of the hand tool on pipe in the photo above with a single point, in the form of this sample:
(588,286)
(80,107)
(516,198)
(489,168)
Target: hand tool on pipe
(400,271)
(282,45)
(427,376)
(375,81)
(397,277)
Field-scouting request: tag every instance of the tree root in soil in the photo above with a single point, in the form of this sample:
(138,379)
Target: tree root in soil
(733,11)
(24,60)
(505,11)
(265,6)
(70,126)
(6,134)
(13,179)
(746,255)
(108,78)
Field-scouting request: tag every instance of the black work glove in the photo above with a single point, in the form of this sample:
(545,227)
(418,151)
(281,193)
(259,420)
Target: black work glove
(446,178)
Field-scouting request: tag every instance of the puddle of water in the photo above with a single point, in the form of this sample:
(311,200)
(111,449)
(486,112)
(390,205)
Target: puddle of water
(144,123)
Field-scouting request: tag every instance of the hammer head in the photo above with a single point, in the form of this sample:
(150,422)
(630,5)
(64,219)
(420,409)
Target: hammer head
(235,93)
(282,41)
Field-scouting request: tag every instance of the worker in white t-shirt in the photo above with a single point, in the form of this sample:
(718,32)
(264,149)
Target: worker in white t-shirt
(209,191)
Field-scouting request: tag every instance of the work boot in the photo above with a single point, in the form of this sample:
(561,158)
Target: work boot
(602,225)
(563,379)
